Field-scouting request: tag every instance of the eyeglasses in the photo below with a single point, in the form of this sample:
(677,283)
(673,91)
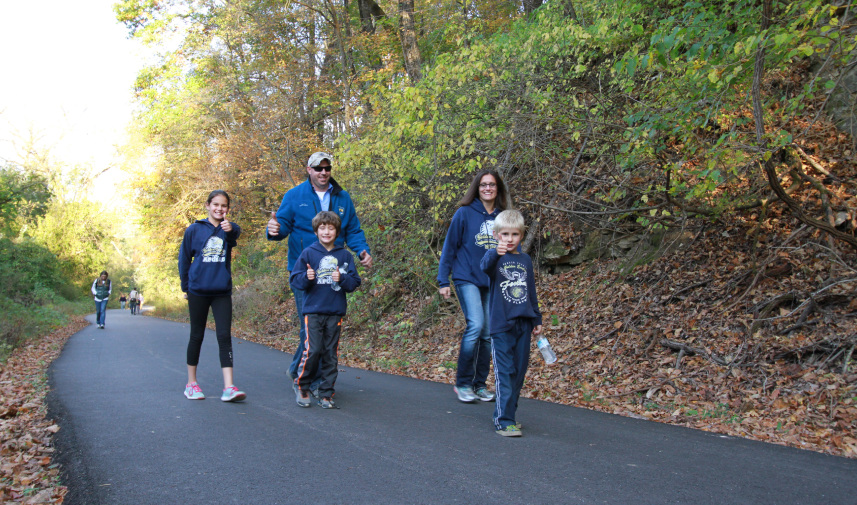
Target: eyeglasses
(319,169)
(486,185)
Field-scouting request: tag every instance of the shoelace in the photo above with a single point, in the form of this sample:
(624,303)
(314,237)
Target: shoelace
(195,388)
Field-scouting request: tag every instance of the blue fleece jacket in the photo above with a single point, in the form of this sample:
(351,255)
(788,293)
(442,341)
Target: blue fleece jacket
(470,235)
(323,296)
(513,290)
(300,204)
(205,259)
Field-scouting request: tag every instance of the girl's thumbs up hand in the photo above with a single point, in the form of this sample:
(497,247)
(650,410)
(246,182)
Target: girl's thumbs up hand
(310,273)
(226,225)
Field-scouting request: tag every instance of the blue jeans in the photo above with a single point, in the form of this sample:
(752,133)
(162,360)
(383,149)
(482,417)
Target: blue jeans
(293,368)
(100,312)
(474,357)
(511,350)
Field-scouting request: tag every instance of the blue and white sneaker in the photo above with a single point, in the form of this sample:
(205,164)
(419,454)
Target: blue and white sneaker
(232,394)
(483,395)
(192,391)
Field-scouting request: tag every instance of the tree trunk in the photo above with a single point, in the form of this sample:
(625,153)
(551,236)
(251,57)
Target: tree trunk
(370,13)
(408,36)
(568,8)
(768,163)
(531,5)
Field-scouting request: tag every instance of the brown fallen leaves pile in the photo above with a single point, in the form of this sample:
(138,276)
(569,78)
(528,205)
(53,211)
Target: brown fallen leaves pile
(27,472)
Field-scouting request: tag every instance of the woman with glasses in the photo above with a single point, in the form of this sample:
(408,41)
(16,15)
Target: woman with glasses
(470,235)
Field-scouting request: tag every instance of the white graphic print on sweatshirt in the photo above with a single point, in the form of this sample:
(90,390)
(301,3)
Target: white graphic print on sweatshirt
(514,288)
(214,252)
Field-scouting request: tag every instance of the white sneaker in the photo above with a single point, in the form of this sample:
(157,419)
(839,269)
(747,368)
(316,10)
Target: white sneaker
(465,394)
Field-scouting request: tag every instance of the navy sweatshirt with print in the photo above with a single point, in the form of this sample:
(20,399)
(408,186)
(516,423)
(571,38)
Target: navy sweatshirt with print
(300,204)
(323,296)
(470,235)
(205,259)
(512,293)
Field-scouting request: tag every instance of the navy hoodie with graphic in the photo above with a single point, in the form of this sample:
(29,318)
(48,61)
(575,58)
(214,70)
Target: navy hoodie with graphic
(205,259)
(323,296)
(300,204)
(470,235)
(513,290)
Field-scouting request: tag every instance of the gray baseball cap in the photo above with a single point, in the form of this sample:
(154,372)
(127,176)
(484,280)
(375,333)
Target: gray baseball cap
(316,159)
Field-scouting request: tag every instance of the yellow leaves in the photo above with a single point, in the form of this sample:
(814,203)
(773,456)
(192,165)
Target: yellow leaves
(714,75)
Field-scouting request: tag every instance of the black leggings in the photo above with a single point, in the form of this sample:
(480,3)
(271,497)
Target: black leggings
(221,307)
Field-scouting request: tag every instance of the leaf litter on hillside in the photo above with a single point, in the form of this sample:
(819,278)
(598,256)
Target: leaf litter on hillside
(712,335)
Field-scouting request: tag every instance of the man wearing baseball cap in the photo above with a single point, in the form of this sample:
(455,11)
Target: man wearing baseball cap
(294,220)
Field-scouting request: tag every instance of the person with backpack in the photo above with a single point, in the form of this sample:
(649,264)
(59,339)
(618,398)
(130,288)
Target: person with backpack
(132,298)
(101,289)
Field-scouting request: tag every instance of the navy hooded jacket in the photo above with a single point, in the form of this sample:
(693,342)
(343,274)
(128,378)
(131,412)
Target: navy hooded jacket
(205,259)
(300,204)
(322,295)
(470,235)
(512,293)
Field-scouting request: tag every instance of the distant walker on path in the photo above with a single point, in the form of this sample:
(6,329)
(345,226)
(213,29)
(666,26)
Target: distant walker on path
(132,298)
(101,289)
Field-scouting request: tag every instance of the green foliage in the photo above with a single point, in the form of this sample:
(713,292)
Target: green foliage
(29,271)
(689,72)
(644,106)
(80,236)
(23,198)
(34,294)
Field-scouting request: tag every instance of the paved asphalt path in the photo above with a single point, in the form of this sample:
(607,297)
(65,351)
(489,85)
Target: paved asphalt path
(129,436)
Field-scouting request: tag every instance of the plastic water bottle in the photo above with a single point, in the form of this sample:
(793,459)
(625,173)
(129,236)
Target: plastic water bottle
(342,270)
(547,352)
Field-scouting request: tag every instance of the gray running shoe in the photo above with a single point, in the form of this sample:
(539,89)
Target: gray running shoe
(327,403)
(302,399)
(482,394)
(465,394)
